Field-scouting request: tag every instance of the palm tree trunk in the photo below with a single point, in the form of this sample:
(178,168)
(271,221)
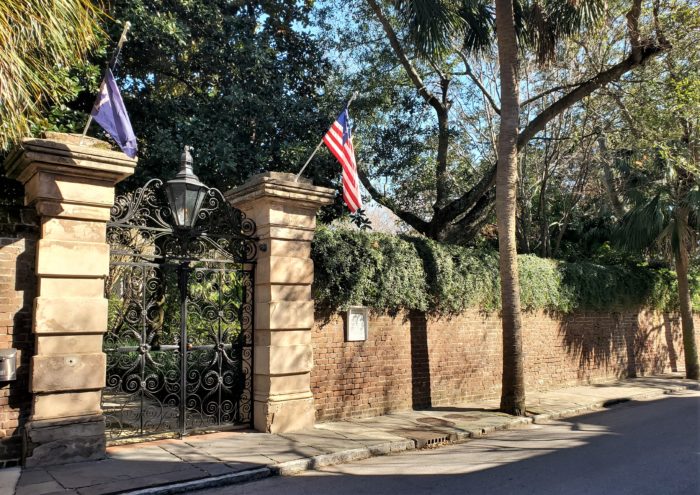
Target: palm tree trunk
(513,385)
(692,369)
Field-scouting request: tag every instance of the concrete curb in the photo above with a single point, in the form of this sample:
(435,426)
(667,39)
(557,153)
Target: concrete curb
(297,466)
(290,468)
(604,404)
(200,484)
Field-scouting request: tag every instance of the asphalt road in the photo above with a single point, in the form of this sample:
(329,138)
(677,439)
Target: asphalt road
(636,448)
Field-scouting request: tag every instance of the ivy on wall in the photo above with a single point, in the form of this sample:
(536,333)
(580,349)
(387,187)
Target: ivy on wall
(390,273)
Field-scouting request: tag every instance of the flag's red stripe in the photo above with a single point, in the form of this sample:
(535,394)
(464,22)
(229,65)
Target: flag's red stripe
(350,202)
(347,147)
(345,154)
(352,195)
(350,177)
(336,151)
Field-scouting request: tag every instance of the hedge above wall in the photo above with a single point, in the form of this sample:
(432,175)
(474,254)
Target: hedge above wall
(390,273)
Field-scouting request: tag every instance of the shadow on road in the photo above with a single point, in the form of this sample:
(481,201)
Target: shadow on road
(644,448)
(636,448)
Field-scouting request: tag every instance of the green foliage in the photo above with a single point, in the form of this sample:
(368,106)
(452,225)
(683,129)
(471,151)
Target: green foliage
(241,82)
(359,219)
(38,41)
(390,273)
(354,268)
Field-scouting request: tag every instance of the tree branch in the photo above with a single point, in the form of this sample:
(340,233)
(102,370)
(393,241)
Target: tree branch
(549,91)
(403,58)
(633,29)
(453,209)
(626,115)
(410,218)
(613,73)
(467,200)
(468,71)
(466,228)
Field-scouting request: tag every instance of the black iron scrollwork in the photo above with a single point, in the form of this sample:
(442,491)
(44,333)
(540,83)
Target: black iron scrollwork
(143,218)
(179,344)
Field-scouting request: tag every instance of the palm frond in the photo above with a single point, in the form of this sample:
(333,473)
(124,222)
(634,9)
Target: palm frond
(39,42)
(479,20)
(692,200)
(642,226)
(431,24)
(546,22)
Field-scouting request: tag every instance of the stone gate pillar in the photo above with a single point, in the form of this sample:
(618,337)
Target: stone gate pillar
(285,214)
(72,188)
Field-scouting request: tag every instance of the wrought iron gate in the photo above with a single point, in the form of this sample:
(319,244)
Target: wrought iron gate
(179,343)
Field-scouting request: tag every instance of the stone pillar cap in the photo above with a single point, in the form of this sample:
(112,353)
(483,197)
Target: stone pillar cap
(280,185)
(63,154)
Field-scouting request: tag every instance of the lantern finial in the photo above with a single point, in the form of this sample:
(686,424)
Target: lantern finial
(186,163)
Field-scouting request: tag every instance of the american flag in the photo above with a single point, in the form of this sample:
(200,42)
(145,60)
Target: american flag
(339,141)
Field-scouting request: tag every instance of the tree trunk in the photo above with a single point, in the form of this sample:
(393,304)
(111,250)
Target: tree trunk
(542,212)
(442,176)
(513,384)
(608,178)
(690,350)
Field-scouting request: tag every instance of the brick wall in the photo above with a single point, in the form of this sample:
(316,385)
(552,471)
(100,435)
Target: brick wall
(18,234)
(410,361)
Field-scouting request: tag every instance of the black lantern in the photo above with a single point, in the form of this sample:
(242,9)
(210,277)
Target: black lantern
(185,193)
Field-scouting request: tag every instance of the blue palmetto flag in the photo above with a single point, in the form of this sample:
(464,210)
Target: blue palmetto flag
(110,113)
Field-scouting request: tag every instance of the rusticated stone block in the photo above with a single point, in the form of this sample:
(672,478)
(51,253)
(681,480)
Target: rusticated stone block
(47,345)
(70,315)
(65,229)
(72,258)
(68,372)
(276,338)
(284,416)
(75,287)
(281,385)
(277,292)
(284,315)
(64,188)
(278,360)
(66,405)
(285,270)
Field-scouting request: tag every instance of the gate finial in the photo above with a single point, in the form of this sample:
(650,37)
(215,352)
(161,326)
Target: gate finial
(186,161)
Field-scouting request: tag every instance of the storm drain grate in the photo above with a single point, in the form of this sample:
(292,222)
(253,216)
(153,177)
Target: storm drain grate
(425,438)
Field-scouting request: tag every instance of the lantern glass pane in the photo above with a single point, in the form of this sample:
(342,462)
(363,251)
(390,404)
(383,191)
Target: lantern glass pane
(190,205)
(176,198)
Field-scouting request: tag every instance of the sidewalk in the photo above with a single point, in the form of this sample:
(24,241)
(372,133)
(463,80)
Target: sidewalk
(177,466)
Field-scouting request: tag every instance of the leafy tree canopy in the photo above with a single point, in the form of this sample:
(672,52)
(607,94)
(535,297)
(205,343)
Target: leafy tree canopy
(240,81)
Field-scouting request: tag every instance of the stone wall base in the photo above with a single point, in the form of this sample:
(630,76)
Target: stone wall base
(284,416)
(51,442)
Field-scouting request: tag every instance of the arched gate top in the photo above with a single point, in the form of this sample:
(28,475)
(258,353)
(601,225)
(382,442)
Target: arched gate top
(141,224)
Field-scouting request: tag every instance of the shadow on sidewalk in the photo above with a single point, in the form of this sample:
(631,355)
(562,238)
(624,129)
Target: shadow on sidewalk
(646,449)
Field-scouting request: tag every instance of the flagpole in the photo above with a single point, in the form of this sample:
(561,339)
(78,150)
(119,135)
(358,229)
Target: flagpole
(112,63)
(296,179)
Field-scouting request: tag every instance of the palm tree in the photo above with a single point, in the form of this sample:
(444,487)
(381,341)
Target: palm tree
(670,221)
(513,381)
(537,25)
(39,41)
